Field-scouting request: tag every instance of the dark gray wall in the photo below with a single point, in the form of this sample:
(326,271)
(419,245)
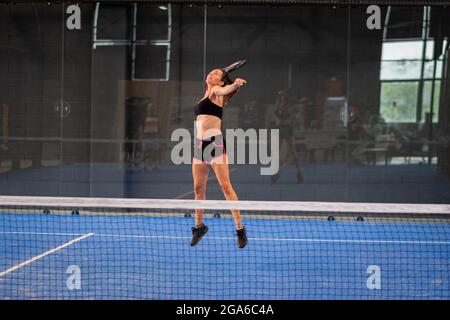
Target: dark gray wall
(33,69)
(37,73)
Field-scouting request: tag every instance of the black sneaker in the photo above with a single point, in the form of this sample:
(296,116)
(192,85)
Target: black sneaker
(198,233)
(242,237)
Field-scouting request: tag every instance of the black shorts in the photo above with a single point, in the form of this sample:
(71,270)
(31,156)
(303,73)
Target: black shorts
(210,148)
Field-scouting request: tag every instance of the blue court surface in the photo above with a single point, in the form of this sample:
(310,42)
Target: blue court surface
(125,257)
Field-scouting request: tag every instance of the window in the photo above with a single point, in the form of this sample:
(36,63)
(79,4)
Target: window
(146,28)
(407,72)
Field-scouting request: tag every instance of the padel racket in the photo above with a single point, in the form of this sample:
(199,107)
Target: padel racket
(234,66)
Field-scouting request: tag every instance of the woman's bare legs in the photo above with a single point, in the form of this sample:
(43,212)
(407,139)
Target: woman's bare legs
(220,167)
(200,174)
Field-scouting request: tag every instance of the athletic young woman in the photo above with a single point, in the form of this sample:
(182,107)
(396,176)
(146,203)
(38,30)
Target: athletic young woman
(210,149)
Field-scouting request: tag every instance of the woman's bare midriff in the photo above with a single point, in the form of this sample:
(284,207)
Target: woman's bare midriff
(207,126)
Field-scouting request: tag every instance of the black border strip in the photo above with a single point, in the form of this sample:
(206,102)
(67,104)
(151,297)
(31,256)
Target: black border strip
(257,2)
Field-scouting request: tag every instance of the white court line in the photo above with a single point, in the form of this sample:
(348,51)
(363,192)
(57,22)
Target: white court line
(44,254)
(287,239)
(358,241)
(184,195)
(44,233)
(105,235)
(190,192)
(284,239)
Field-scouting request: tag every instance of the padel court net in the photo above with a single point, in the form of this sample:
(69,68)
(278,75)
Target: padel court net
(100,248)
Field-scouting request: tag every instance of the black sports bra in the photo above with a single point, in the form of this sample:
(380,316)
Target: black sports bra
(206,106)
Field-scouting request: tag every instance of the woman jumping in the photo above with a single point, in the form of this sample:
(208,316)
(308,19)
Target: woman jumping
(210,149)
